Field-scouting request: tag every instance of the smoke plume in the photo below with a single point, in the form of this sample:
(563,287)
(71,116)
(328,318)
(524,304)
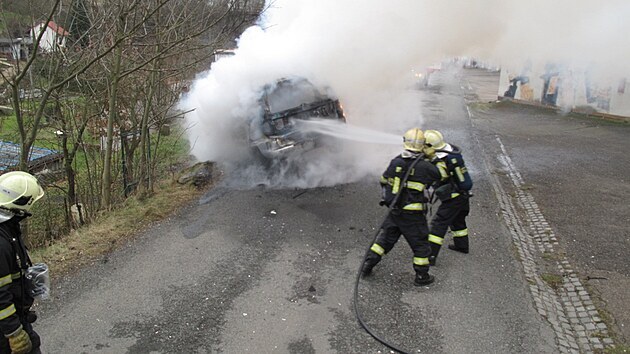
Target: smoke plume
(363,52)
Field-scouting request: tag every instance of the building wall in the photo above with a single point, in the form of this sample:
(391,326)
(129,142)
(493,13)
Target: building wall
(12,51)
(50,39)
(573,89)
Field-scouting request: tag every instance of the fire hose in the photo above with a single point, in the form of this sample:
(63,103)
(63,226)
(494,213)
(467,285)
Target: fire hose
(358,279)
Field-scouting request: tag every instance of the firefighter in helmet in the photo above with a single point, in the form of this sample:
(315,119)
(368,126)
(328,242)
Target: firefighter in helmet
(404,183)
(454,192)
(18,191)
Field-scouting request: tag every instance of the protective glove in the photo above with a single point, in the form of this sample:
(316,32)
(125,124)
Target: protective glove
(20,341)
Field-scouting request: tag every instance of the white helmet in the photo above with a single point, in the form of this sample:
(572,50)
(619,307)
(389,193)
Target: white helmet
(434,139)
(19,190)
(413,140)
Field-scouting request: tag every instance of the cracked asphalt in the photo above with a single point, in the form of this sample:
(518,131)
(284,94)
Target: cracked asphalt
(272,271)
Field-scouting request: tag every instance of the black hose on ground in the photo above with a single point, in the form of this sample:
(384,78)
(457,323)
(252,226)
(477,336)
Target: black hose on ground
(358,279)
(356,300)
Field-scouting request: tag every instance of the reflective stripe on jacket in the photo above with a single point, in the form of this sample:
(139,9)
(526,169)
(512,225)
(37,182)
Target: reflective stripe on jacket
(453,171)
(412,191)
(13,300)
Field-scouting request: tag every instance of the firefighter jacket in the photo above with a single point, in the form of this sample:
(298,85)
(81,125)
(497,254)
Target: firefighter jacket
(412,197)
(455,179)
(14,298)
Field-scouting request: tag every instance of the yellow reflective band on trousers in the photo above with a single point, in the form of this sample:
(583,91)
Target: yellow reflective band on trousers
(414,206)
(420,261)
(396,186)
(377,249)
(8,279)
(436,239)
(10,310)
(416,186)
(460,233)
(454,195)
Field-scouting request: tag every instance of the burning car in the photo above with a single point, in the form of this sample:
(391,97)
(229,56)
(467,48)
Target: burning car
(284,105)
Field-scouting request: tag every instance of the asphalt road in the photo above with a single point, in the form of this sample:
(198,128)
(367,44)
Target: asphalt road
(273,271)
(576,169)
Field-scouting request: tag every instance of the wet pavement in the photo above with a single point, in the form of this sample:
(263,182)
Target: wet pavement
(273,271)
(567,210)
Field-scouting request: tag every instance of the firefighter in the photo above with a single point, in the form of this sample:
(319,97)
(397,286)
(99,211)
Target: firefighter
(454,192)
(18,191)
(408,214)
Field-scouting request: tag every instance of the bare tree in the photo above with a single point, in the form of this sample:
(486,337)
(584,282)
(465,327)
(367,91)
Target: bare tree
(120,73)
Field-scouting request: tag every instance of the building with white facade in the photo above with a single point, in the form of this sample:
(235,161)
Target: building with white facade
(54,36)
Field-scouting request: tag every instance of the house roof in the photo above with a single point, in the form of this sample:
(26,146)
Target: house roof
(10,40)
(10,156)
(56,28)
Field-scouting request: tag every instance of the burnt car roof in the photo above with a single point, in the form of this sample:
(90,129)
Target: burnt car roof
(284,102)
(290,93)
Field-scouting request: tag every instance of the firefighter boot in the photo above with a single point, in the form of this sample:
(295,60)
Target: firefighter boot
(423,279)
(370,262)
(460,244)
(366,271)
(422,275)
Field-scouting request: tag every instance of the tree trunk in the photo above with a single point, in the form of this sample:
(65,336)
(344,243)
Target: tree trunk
(106,188)
(145,172)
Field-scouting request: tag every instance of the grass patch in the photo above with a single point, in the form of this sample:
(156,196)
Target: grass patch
(482,107)
(527,187)
(515,252)
(112,229)
(554,280)
(598,334)
(553,256)
(618,349)
(499,172)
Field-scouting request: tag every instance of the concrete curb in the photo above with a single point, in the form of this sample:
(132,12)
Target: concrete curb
(588,114)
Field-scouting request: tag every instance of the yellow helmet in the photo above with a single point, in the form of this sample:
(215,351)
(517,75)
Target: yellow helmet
(19,190)
(434,139)
(413,140)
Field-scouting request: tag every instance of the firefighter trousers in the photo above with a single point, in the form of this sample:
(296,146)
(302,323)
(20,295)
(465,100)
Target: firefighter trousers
(451,214)
(413,226)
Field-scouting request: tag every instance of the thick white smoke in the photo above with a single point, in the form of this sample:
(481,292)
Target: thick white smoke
(365,51)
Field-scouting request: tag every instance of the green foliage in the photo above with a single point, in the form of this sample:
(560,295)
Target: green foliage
(554,280)
(46,137)
(18,15)
(50,221)
(618,349)
(172,148)
(83,84)
(9,129)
